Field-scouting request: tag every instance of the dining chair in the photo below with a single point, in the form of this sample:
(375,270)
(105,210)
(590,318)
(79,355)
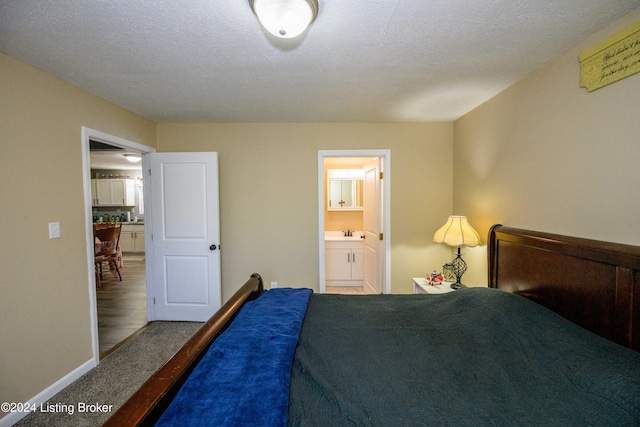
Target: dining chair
(108,238)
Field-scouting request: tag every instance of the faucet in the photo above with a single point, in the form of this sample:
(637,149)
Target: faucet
(348,233)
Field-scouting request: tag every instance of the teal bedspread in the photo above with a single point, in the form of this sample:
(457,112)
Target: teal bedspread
(473,357)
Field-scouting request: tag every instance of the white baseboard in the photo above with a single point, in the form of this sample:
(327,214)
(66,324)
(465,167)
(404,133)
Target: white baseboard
(48,393)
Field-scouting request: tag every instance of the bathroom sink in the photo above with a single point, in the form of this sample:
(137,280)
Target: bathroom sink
(339,235)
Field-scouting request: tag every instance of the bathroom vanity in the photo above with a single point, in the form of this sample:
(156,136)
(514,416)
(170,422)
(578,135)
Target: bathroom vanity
(344,256)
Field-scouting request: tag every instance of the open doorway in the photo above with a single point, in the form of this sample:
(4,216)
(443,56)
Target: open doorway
(354,221)
(114,194)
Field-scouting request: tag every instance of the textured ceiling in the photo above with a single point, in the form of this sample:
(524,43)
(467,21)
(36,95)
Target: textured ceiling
(384,60)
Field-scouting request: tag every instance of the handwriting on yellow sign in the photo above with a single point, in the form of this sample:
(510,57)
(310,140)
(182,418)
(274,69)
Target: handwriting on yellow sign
(612,59)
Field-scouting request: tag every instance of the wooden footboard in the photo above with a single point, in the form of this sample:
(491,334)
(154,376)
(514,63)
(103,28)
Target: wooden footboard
(592,283)
(148,403)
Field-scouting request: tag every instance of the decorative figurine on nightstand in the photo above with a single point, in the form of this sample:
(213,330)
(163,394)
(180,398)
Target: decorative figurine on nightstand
(434,278)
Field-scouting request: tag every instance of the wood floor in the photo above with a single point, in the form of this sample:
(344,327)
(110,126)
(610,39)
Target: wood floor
(122,306)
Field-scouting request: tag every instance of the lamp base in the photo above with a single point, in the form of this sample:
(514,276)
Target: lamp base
(459,267)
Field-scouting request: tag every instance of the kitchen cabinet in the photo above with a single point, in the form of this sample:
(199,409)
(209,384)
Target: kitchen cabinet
(132,238)
(113,192)
(344,262)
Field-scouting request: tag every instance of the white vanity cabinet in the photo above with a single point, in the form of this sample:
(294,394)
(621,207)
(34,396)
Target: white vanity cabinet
(344,262)
(113,192)
(132,238)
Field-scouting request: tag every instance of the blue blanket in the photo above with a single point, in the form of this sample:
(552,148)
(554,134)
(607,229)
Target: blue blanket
(244,377)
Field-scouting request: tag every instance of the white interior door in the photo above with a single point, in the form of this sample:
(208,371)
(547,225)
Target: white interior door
(372,227)
(185,230)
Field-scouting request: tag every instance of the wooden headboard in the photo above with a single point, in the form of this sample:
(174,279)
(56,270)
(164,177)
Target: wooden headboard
(591,283)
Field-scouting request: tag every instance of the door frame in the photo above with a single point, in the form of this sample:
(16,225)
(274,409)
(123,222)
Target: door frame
(385,155)
(87,135)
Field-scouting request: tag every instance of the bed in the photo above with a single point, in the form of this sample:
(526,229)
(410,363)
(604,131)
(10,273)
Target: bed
(554,340)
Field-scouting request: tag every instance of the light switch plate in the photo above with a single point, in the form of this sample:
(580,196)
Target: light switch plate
(54,230)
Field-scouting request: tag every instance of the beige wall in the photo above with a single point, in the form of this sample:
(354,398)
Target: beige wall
(44,307)
(269,193)
(544,154)
(547,155)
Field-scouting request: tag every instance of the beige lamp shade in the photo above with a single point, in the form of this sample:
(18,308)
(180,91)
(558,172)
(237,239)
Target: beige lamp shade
(457,232)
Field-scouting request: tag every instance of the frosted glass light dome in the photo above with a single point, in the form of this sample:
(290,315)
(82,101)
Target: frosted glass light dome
(285,18)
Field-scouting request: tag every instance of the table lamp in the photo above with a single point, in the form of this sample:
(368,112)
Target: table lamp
(457,232)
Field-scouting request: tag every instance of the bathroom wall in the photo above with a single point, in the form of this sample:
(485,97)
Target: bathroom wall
(346,220)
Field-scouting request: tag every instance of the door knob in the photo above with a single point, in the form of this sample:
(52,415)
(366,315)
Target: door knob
(213,247)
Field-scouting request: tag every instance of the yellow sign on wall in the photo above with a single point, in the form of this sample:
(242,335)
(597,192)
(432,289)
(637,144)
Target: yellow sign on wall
(612,59)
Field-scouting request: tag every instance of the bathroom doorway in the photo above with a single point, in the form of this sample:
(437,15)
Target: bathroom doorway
(365,267)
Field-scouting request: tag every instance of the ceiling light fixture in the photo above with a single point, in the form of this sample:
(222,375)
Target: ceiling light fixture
(285,18)
(132,158)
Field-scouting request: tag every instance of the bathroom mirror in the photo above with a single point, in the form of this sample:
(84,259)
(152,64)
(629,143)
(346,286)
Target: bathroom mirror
(344,189)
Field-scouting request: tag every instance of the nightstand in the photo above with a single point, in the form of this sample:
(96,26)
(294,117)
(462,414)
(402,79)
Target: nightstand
(420,286)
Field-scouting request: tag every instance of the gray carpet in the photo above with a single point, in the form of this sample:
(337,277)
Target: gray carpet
(116,378)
